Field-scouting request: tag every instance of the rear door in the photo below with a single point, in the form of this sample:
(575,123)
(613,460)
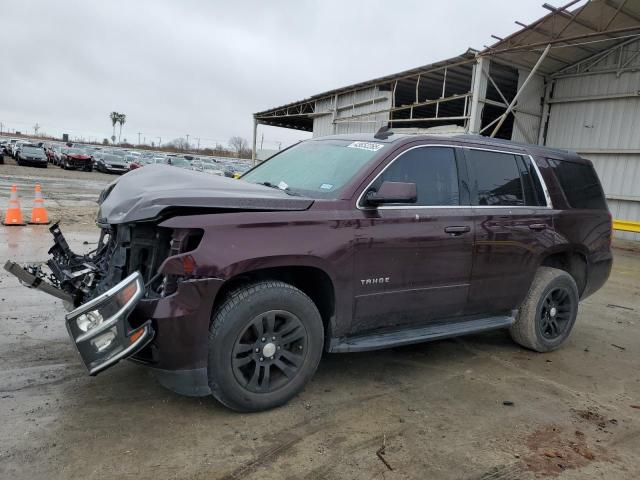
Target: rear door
(513,226)
(413,261)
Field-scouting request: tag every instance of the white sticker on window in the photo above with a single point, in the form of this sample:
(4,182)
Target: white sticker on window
(326,186)
(282,185)
(371,146)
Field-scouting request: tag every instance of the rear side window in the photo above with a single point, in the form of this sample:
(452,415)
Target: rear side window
(432,169)
(580,184)
(497,178)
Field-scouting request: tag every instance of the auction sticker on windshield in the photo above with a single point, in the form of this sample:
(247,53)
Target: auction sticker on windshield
(371,146)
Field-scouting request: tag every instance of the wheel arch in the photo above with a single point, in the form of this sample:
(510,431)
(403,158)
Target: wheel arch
(313,281)
(572,261)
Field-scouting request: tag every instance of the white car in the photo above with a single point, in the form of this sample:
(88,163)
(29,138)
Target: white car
(212,170)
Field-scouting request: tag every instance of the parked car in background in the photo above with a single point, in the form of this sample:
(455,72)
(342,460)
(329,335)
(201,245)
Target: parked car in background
(212,169)
(112,163)
(196,164)
(31,155)
(56,154)
(179,162)
(131,157)
(140,162)
(76,158)
(15,147)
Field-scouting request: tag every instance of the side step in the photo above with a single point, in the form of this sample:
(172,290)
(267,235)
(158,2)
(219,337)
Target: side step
(407,336)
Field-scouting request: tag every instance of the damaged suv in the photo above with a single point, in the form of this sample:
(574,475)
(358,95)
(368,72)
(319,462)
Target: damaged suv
(340,244)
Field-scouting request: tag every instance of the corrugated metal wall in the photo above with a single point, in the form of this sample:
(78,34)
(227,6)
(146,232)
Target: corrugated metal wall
(606,131)
(349,105)
(527,118)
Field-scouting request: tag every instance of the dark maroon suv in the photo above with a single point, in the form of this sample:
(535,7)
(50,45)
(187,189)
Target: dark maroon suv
(344,244)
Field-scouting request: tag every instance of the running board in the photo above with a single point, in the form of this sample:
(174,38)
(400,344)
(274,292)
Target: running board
(427,333)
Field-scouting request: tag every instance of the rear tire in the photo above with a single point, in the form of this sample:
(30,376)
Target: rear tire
(265,343)
(549,311)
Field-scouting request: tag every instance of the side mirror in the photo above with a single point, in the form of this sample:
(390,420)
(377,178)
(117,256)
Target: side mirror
(393,192)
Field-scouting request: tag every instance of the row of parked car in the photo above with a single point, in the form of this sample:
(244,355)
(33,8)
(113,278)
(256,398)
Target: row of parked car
(111,160)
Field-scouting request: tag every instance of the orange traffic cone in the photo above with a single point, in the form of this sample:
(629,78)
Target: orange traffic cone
(14,214)
(38,212)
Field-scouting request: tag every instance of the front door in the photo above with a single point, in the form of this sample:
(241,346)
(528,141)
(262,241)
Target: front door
(413,261)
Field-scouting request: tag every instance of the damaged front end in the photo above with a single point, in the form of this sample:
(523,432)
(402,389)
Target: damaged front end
(103,287)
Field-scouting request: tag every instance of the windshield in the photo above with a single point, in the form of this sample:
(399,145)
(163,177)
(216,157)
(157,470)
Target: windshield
(315,168)
(32,150)
(76,151)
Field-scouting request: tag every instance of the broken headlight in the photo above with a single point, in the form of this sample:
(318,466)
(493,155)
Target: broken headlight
(100,330)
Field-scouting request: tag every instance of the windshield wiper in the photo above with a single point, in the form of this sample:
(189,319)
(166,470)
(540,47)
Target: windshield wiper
(285,190)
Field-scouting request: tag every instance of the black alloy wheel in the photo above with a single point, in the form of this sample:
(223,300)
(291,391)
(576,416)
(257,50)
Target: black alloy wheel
(270,351)
(265,343)
(556,313)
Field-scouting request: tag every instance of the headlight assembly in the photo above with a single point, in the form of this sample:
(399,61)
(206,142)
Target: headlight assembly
(100,330)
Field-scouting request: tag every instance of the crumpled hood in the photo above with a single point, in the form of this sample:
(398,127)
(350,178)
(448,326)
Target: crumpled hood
(143,193)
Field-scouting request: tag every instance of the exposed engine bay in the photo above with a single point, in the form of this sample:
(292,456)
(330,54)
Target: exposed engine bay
(121,250)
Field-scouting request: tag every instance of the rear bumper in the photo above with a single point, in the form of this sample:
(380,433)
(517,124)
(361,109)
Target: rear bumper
(599,269)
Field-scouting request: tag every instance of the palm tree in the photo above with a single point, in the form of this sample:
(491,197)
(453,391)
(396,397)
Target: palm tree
(122,119)
(114,116)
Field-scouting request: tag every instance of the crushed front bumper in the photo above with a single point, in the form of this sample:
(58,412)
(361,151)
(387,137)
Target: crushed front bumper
(99,328)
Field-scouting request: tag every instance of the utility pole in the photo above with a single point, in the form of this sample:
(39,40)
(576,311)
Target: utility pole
(1,125)
(198,139)
(159,141)
(139,133)
(36,127)
(187,141)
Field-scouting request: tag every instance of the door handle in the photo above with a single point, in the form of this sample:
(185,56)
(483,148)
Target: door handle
(538,227)
(457,230)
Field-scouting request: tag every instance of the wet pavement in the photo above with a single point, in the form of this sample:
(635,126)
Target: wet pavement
(478,407)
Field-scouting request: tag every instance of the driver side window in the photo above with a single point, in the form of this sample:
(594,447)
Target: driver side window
(432,169)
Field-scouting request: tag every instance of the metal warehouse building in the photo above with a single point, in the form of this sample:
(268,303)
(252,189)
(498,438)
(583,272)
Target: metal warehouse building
(570,80)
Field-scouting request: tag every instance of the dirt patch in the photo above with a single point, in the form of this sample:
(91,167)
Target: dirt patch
(554,450)
(594,417)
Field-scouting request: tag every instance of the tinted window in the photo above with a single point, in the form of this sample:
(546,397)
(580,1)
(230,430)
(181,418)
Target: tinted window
(497,178)
(580,184)
(432,169)
(533,193)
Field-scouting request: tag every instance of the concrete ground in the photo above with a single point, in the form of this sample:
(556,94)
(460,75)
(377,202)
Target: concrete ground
(477,407)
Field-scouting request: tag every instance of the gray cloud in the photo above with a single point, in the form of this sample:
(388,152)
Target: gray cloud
(203,67)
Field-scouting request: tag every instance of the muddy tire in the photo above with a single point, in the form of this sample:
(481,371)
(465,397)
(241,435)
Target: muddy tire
(549,311)
(265,343)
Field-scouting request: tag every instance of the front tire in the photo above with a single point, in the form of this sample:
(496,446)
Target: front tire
(265,343)
(549,311)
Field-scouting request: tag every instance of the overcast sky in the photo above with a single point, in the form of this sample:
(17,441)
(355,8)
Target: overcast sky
(202,68)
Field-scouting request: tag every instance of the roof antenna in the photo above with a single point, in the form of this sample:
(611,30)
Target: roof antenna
(384,133)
